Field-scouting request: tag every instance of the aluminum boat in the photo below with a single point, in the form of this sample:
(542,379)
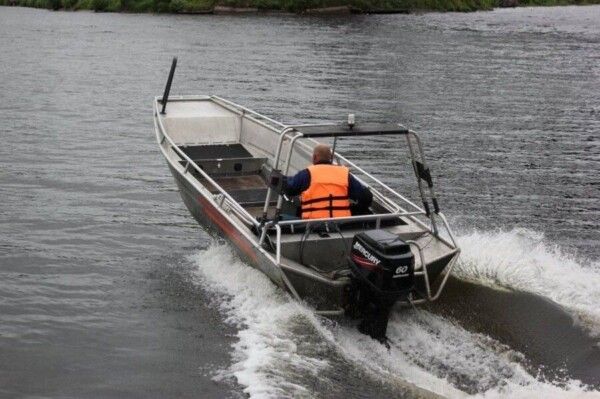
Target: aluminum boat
(227,159)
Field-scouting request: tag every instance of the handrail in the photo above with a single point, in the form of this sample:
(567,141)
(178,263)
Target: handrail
(287,168)
(250,221)
(277,224)
(359,218)
(448,229)
(247,110)
(282,136)
(377,218)
(384,186)
(289,128)
(423,266)
(189,161)
(447,272)
(410,215)
(223,101)
(376,180)
(425,274)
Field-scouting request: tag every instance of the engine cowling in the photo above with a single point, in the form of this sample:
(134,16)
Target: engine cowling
(382,261)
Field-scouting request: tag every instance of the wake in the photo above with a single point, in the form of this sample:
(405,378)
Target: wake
(521,259)
(284,350)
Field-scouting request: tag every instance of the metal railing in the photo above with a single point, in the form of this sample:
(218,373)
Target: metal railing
(282,129)
(291,133)
(425,274)
(377,218)
(235,206)
(248,113)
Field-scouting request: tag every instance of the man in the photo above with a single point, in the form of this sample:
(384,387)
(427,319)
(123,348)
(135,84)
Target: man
(326,190)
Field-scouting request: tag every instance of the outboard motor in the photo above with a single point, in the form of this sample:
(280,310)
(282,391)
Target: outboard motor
(383,269)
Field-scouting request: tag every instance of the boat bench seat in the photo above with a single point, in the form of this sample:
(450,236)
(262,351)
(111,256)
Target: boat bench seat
(234,168)
(230,166)
(224,159)
(215,151)
(251,197)
(247,190)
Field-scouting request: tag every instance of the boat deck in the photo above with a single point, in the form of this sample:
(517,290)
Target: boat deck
(233,168)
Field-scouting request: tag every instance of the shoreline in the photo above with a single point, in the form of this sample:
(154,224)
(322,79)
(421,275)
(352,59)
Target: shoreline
(287,7)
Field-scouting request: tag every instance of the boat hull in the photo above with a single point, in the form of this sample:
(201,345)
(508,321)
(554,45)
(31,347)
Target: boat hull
(327,296)
(330,296)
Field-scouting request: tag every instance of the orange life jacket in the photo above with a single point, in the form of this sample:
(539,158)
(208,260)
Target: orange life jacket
(327,195)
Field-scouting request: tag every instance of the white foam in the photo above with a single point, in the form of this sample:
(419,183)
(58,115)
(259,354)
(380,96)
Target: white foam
(270,356)
(431,352)
(392,365)
(267,348)
(540,390)
(523,260)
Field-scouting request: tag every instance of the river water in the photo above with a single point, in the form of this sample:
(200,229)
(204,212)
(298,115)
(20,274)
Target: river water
(108,288)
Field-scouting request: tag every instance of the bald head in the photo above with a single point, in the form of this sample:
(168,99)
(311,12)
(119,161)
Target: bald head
(321,154)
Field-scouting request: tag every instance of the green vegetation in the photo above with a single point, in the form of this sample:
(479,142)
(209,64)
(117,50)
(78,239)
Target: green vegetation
(557,2)
(297,6)
(161,6)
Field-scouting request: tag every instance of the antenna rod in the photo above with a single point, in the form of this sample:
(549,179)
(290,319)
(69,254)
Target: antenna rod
(350,126)
(168,88)
(333,150)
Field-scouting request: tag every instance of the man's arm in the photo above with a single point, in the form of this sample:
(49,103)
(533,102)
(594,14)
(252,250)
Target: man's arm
(294,185)
(361,194)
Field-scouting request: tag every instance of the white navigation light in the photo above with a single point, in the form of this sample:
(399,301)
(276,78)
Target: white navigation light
(350,120)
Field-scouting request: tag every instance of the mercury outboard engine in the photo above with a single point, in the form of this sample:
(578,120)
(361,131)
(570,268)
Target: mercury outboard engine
(383,269)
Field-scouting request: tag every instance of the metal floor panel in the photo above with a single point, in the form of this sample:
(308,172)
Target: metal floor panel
(215,151)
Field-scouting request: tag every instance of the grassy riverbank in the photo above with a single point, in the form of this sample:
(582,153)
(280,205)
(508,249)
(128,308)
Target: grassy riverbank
(296,6)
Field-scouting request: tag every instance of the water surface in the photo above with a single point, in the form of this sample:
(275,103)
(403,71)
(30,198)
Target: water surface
(108,288)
